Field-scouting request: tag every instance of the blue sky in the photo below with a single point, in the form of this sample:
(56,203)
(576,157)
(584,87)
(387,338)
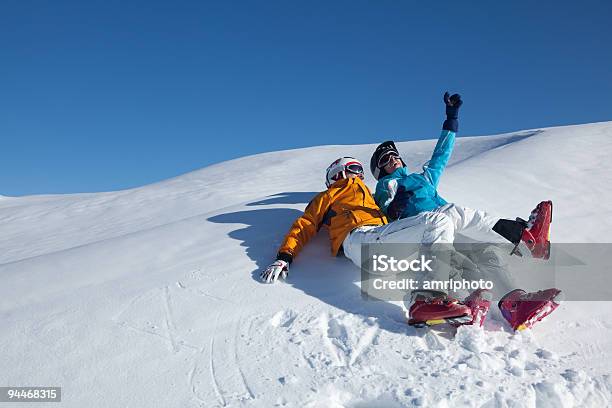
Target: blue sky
(106,95)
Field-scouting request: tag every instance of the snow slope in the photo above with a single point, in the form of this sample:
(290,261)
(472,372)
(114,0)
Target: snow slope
(149,297)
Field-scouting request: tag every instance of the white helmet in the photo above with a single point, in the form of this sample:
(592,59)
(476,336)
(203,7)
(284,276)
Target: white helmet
(339,169)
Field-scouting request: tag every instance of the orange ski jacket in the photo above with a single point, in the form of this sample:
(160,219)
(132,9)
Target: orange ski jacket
(344,206)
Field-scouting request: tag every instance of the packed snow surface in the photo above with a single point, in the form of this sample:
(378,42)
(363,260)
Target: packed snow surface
(150,297)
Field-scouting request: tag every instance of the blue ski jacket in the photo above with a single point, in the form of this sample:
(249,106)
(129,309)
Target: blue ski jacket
(420,188)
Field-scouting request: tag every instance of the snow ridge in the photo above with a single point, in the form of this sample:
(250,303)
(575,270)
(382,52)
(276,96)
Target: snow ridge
(150,296)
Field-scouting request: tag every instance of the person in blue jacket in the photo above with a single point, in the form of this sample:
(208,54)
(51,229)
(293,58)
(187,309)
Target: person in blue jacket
(414,198)
(401,194)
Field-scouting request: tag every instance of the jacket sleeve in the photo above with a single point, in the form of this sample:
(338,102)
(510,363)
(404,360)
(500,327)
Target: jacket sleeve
(305,227)
(433,169)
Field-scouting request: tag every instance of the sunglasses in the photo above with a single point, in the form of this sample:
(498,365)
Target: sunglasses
(387,158)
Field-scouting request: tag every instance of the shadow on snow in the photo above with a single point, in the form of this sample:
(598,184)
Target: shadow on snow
(333,280)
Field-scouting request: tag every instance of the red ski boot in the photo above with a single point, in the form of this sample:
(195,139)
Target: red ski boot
(428,311)
(522,310)
(536,236)
(479,302)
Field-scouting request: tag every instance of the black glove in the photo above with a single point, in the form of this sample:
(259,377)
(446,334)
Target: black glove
(399,203)
(453,103)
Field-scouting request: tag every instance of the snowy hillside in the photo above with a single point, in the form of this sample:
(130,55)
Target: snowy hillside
(149,297)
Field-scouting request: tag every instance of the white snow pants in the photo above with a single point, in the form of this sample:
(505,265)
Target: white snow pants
(446,225)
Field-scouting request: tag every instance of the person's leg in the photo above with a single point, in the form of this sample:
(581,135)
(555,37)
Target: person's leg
(480,226)
(435,233)
(424,228)
(491,265)
(406,230)
(492,247)
(475,224)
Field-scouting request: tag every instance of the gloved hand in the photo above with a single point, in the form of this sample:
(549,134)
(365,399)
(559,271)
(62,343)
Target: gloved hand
(272,272)
(398,205)
(453,103)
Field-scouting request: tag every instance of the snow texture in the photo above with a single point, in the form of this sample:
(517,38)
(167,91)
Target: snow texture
(150,297)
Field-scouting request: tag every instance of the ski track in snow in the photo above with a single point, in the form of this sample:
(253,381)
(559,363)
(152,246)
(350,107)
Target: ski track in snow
(237,336)
(227,368)
(168,319)
(211,362)
(192,386)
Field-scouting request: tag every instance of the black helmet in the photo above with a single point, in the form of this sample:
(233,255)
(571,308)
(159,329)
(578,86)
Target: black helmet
(381,150)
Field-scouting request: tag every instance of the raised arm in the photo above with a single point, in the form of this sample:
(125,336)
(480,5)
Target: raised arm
(435,166)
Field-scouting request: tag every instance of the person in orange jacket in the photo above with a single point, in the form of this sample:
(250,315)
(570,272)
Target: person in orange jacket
(346,205)
(352,217)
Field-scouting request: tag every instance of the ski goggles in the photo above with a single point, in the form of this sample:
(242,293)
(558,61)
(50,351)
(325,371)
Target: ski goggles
(387,158)
(354,168)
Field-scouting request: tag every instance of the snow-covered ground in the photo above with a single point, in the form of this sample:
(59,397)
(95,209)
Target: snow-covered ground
(149,297)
